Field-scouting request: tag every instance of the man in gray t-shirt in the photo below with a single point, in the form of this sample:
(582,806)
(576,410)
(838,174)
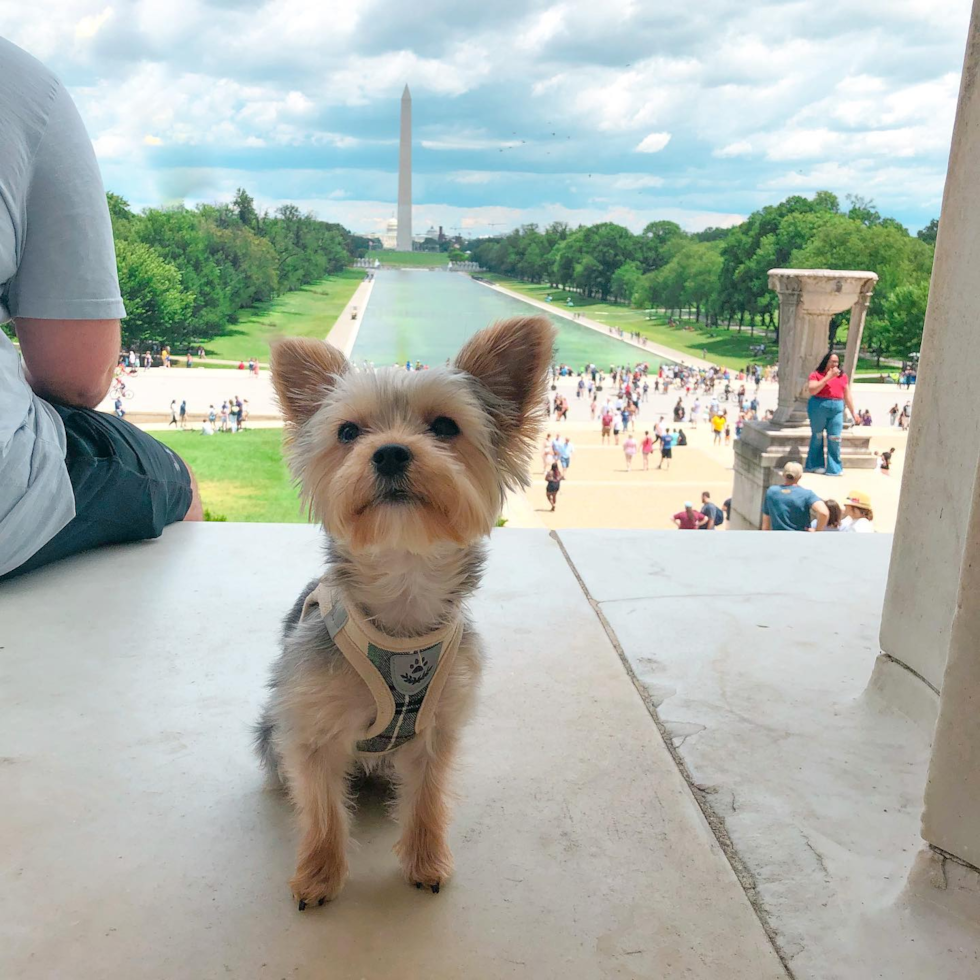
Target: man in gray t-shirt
(69,476)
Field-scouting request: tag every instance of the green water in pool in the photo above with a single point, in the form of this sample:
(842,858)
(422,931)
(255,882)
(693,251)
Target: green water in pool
(426,316)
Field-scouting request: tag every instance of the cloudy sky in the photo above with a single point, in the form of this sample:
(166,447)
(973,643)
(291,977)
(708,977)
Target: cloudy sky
(623,110)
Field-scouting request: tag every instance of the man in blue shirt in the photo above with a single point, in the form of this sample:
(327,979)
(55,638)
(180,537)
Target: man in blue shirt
(790,507)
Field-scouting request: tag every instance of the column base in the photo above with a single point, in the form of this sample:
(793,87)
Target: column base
(761,454)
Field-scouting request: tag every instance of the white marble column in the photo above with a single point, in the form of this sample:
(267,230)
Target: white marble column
(930,634)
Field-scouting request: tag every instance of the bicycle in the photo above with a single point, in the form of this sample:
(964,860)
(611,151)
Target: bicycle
(116,390)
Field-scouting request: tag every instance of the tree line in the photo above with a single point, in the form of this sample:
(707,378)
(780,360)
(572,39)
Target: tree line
(185,273)
(721,275)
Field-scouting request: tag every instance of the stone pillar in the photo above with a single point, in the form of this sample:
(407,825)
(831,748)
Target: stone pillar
(951,820)
(855,330)
(943,448)
(930,632)
(808,298)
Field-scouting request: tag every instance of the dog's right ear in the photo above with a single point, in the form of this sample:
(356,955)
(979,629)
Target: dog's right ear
(304,371)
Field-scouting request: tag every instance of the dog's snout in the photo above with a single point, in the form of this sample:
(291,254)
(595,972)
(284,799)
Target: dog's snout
(391,459)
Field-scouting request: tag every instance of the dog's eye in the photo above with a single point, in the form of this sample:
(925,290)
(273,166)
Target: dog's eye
(348,432)
(444,428)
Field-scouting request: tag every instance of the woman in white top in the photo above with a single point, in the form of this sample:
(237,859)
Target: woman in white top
(858,515)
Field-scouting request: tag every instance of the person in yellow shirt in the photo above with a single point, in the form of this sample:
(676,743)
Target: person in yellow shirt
(718,425)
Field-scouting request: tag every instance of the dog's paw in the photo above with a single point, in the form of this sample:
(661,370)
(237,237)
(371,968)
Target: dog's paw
(430,868)
(316,888)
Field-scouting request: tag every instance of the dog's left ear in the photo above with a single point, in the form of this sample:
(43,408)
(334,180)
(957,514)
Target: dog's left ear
(510,359)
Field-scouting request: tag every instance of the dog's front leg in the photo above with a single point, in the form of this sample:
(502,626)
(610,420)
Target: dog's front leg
(423,773)
(317,780)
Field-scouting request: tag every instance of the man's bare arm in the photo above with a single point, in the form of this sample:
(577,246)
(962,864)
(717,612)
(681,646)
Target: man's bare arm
(69,361)
(822,513)
(766,522)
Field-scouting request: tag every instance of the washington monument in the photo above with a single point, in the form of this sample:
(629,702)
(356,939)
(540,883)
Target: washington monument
(404,239)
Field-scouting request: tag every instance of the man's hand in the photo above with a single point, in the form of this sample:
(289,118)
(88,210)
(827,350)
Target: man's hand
(69,361)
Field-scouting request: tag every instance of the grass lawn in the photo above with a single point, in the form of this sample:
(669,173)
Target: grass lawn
(728,347)
(422,259)
(243,476)
(309,311)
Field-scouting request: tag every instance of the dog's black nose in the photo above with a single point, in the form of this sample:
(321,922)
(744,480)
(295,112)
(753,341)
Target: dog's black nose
(392,459)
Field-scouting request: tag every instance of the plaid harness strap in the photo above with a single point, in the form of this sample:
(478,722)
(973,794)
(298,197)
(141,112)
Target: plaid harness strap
(405,676)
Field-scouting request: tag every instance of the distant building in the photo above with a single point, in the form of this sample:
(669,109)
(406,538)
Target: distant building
(390,237)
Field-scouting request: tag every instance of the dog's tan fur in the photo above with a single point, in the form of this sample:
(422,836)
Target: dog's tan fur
(408,567)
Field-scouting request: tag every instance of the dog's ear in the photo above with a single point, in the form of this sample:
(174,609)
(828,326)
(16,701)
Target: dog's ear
(510,359)
(303,372)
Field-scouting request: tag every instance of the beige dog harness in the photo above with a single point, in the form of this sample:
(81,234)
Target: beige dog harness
(406,676)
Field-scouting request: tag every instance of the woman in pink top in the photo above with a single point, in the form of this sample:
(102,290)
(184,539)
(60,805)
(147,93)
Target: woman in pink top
(629,450)
(647,449)
(829,393)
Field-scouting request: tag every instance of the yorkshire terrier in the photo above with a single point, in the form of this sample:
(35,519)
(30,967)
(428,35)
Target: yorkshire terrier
(407,472)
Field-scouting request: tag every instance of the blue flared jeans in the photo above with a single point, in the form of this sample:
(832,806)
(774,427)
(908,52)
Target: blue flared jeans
(826,415)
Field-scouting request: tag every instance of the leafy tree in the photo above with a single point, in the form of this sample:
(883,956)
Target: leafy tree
(905,316)
(244,205)
(625,280)
(929,232)
(157,307)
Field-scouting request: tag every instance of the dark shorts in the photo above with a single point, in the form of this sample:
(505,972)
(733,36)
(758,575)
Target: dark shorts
(127,486)
(667,453)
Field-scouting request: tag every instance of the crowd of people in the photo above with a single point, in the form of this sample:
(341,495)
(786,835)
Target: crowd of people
(231,417)
(792,507)
(130,363)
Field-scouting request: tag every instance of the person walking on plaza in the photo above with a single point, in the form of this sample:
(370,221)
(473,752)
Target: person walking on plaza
(173,414)
(647,449)
(689,519)
(790,507)
(858,515)
(565,454)
(829,394)
(718,427)
(710,510)
(183,413)
(629,450)
(547,455)
(553,485)
(607,423)
(666,450)
(893,413)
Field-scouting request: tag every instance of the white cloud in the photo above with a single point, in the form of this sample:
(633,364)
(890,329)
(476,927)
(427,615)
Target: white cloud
(634,182)
(90,25)
(740,148)
(542,28)
(467,142)
(653,143)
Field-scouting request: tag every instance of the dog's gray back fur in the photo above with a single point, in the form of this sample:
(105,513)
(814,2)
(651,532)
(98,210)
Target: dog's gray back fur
(291,655)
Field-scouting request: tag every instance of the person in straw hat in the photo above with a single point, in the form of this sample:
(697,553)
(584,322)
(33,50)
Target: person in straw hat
(858,515)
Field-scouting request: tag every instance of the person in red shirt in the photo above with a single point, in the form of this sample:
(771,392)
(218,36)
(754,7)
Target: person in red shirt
(689,519)
(829,393)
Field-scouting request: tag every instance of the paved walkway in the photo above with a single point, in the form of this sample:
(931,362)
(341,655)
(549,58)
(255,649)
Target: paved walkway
(344,332)
(599,492)
(650,347)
